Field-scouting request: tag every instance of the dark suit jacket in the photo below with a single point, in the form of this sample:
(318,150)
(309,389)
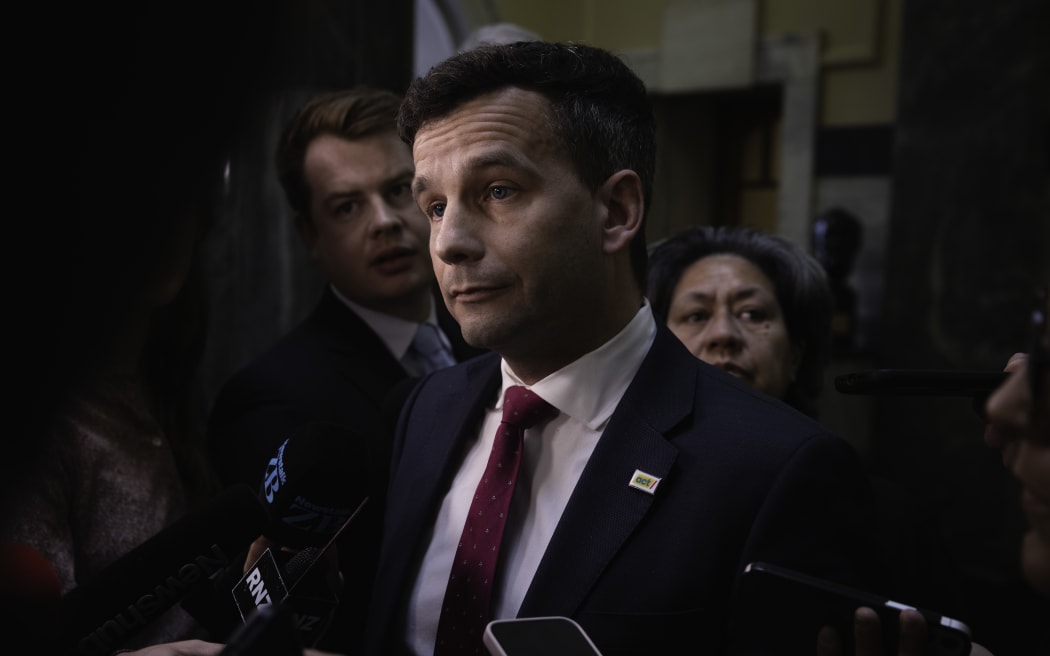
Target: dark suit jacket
(745,478)
(334,368)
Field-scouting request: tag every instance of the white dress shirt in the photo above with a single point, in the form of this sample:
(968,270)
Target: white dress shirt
(585,392)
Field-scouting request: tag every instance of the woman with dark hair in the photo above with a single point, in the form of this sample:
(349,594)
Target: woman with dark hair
(751,303)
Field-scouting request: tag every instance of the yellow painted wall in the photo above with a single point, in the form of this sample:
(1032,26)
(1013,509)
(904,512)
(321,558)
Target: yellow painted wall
(861,41)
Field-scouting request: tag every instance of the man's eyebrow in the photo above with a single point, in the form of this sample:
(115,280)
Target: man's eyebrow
(396,178)
(480,162)
(341,195)
(419,185)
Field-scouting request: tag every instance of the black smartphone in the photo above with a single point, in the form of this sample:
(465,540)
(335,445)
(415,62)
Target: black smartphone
(538,636)
(785,609)
(921,382)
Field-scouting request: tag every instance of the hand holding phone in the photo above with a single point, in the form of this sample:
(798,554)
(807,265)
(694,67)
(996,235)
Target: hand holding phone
(784,610)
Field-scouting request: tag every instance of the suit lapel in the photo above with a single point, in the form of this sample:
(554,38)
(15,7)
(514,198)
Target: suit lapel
(364,358)
(605,509)
(427,465)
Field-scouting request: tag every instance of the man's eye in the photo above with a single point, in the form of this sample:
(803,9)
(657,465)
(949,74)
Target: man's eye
(437,210)
(697,317)
(754,315)
(346,208)
(499,193)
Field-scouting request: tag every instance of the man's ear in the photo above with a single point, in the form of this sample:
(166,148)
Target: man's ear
(307,232)
(625,207)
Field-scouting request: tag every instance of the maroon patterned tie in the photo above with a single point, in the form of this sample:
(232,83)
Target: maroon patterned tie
(467,608)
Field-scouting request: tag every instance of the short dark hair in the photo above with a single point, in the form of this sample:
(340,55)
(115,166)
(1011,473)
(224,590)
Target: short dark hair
(599,109)
(349,114)
(799,282)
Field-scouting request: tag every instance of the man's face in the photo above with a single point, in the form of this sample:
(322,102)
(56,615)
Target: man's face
(364,229)
(516,237)
(725,310)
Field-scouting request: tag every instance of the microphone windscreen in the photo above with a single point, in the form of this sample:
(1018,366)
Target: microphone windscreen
(98,616)
(314,483)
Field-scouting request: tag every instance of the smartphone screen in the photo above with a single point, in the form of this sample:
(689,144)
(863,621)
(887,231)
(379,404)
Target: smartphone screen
(786,608)
(538,636)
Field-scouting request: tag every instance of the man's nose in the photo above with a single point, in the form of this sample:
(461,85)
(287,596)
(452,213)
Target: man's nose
(455,239)
(385,218)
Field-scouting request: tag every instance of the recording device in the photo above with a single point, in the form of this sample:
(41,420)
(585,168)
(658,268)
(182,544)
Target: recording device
(97,617)
(921,382)
(291,580)
(784,609)
(313,486)
(538,636)
(313,483)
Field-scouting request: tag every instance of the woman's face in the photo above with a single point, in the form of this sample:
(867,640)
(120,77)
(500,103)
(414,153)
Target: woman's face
(725,310)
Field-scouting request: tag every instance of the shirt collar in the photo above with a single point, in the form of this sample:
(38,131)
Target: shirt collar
(590,388)
(396,333)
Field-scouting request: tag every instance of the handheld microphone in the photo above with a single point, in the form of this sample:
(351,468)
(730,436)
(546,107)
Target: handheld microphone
(921,382)
(313,486)
(97,617)
(311,595)
(314,483)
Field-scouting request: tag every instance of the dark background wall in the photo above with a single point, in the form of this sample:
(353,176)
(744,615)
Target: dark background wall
(969,240)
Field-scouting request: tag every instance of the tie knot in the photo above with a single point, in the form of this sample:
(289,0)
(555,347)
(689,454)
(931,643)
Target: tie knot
(522,408)
(427,352)
(426,340)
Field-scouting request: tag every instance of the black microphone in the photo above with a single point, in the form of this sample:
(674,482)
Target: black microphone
(100,615)
(314,483)
(293,581)
(313,486)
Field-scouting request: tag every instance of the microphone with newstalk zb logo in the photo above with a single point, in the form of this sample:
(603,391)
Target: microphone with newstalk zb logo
(313,486)
(100,615)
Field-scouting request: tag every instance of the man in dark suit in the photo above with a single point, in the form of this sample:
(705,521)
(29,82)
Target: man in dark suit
(655,478)
(347,177)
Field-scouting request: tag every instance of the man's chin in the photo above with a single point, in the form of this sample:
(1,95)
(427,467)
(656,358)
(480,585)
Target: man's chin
(478,329)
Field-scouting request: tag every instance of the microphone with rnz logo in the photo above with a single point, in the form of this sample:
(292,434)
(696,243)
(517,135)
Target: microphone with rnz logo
(313,486)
